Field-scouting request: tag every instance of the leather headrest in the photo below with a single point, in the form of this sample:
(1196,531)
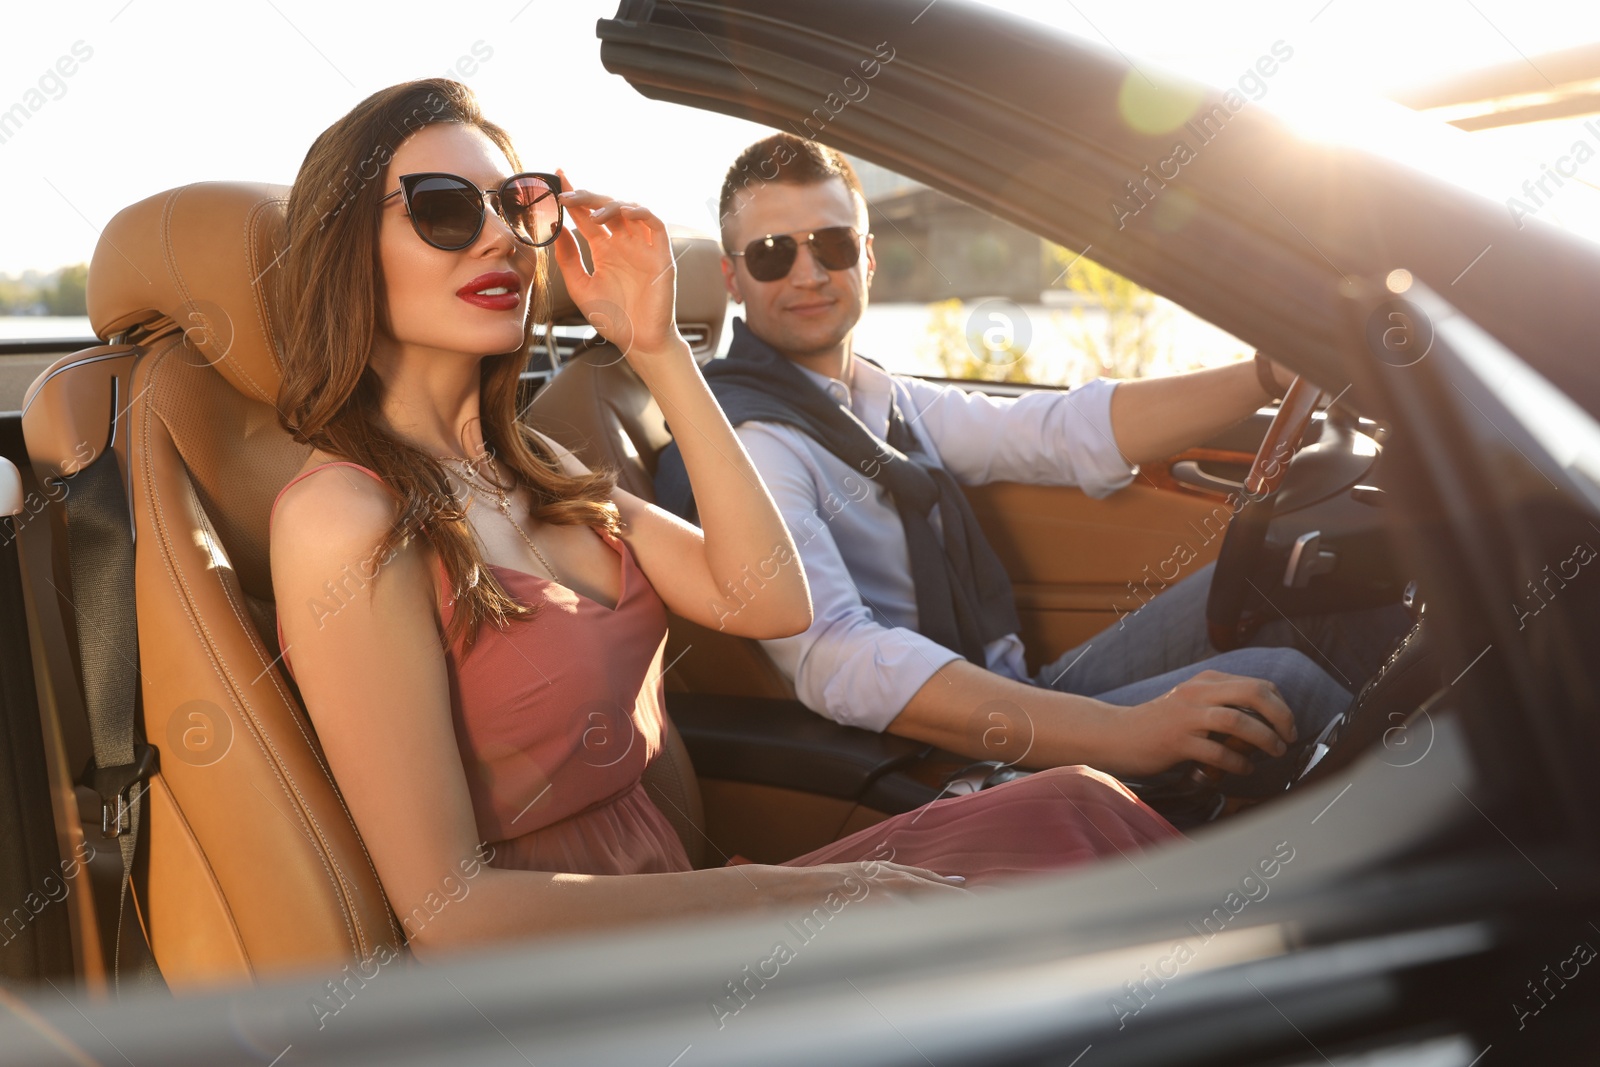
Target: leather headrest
(702,299)
(199,256)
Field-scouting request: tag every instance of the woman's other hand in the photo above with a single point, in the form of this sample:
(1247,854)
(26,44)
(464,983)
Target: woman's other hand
(629,295)
(853,882)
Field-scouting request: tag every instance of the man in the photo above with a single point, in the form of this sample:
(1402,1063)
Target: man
(914,629)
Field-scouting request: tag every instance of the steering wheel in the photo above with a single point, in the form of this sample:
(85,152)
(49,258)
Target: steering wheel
(1227,624)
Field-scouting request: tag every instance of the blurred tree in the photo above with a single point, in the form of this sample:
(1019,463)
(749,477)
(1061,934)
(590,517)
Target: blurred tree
(1129,344)
(16,297)
(973,351)
(988,258)
(896,261)
(60,292)
(68,295)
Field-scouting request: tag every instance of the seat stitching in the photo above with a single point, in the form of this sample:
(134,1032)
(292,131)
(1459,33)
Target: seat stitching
(316,754)
(187,295)
(250,634)
(263,324)
(247,240)
(170,258)
(203,632)
(242,615)
(186,601)
(174,576)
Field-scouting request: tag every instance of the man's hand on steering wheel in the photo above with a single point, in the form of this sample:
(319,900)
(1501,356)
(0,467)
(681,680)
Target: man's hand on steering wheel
(1151,737)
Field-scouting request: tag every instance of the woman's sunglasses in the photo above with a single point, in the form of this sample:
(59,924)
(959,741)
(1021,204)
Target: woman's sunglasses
(447,211)
(770,258)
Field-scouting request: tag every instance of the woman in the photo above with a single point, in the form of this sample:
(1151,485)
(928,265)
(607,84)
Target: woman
(409,312)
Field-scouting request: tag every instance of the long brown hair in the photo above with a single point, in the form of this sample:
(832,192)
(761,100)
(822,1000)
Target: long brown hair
(330,294)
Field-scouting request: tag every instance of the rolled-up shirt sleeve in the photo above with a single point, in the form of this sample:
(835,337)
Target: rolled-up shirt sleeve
(851,665)
(1045,437)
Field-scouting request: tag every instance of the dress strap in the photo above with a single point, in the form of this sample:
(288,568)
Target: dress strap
(313,470)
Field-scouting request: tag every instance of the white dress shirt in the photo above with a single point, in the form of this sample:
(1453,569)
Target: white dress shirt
(862,660)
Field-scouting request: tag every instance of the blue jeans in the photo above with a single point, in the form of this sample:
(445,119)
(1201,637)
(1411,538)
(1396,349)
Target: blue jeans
(1317,663)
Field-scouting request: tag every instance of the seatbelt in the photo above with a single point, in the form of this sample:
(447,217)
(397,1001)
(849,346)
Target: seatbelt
(100,540)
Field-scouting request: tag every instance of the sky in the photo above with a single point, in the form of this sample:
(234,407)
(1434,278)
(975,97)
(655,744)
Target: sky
(167,92)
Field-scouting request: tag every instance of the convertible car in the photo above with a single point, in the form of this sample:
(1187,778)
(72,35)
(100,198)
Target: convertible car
(182,884)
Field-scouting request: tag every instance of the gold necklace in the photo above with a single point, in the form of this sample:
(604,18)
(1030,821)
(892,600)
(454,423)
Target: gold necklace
(468,473)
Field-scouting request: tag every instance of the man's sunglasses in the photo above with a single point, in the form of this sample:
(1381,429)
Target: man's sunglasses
(770,258)
(447,211)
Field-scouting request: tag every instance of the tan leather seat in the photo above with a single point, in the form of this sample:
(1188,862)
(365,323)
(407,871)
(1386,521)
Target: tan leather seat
(254,865)
(598,407)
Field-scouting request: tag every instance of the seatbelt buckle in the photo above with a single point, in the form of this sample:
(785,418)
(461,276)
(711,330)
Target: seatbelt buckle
(112,785)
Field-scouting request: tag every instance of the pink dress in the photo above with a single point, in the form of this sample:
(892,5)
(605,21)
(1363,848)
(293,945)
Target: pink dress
(557,717)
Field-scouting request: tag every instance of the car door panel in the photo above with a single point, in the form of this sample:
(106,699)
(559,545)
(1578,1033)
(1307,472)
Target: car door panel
(778,780)
(1078,564)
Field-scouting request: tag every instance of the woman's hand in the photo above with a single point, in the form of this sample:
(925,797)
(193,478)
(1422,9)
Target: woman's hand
(629,296)
(701,574)
(807,887)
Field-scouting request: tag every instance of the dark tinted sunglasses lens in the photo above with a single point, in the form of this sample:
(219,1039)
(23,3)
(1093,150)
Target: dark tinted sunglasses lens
(770,258)
(836,247)
(446,212)
(531,209)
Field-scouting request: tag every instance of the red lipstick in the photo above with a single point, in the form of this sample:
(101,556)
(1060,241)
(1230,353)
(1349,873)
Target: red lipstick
(499,290)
